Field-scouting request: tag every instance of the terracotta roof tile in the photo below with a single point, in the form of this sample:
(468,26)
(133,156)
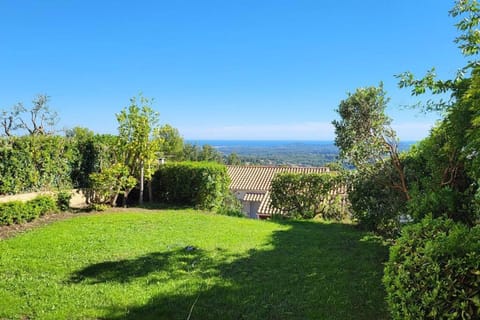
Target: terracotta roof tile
(259,178)
(254,196)
(256,180)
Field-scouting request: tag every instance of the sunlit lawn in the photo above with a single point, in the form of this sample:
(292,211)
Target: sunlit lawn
(176,264)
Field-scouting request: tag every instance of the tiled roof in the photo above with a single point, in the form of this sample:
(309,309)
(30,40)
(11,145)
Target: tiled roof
(254,196)
(256,181)
(266,207)
(259,178)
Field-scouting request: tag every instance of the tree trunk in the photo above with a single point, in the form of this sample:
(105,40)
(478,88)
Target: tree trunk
(397,164)
(140,200)
(150,192)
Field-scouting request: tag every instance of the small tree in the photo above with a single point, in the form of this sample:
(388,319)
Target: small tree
(233,159)
(364,135)
(172,142)
(111,182)
(139,142)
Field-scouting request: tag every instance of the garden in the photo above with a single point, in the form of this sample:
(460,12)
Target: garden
(187,264)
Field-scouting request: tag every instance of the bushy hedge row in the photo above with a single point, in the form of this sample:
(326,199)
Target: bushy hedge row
(18,212)
(32,163)
(38,163)
(200,184)
(434,272)
(307,195)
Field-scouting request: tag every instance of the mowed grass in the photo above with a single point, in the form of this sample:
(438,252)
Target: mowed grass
(177,264)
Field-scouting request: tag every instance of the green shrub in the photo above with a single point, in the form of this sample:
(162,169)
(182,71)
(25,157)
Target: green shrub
(375,204)
(42,205)
(63,200)
(334,208)
(111,182)
(200,184)
(30,163)
(98,207)
(12,212)
(434,272)
(231,206)
(18,212)
(305,195)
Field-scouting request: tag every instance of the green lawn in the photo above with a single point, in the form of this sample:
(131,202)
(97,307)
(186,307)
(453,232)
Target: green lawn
(135,265)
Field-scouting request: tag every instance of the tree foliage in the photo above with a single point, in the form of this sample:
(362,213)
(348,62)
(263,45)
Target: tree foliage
(139,140)
(32,163)
(444,167)
(108,184)
(193,152)
(363,131)
(364,135)
(433,272)
(306,195)
(171,142)
(374,204)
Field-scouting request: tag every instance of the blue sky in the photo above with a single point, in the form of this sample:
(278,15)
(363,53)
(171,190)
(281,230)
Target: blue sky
(230,69)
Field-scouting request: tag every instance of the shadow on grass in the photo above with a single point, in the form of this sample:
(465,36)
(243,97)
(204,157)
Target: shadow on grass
(314,271)
(123,271)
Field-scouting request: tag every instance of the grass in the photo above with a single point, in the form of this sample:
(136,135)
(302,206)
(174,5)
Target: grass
(168,264)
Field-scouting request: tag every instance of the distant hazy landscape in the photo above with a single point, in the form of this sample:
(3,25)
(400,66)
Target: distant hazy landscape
(281,152)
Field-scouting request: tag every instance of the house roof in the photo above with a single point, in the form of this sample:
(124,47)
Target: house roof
(266,208)
(254,196)
(256,181)
(259,178)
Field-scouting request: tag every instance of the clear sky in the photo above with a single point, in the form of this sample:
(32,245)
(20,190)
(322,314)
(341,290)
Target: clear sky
(224,69)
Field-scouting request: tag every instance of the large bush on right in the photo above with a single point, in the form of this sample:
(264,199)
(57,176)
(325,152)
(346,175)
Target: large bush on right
(434,272)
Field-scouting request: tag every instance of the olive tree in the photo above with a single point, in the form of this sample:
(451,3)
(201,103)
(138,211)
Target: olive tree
(40,119)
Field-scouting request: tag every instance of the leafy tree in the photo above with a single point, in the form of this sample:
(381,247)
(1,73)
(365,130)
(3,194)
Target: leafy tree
(456,138)
(139,142)
(209,153)
(191,152)
(108,184)
(233,159)
(172,142)
(364,135)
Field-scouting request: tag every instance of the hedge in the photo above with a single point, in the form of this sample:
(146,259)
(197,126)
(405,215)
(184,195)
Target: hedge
(307,195)
(14,212)
(200,184)
(434,272)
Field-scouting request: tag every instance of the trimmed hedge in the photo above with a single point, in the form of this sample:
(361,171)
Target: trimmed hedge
(14,212)
(200,184)
(434,272)
(307,195)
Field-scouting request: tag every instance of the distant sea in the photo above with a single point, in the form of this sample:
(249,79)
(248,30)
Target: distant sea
(281,152)
(232,144)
